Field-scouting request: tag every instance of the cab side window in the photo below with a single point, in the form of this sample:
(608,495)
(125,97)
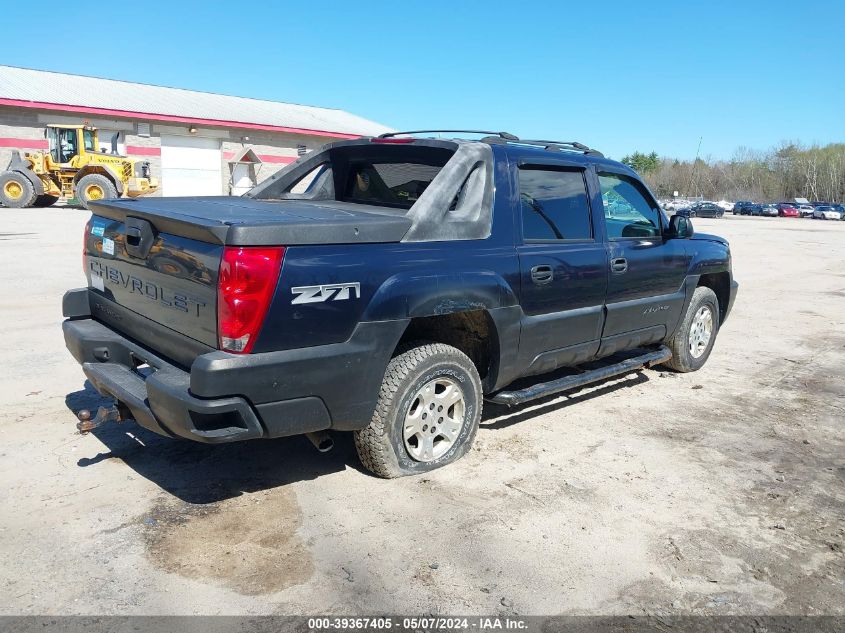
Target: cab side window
(629,210)
(554,204)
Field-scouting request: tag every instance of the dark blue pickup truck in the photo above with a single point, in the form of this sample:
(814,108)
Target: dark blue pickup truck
(388,286)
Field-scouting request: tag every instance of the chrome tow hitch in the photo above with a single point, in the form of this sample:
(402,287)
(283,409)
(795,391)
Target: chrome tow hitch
(104,414)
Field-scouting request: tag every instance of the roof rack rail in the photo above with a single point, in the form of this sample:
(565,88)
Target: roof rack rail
(503,135)
(564,145)
(507,137)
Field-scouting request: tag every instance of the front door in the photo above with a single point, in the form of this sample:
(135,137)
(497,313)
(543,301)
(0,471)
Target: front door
(645,291)
(563,268)
(68,144)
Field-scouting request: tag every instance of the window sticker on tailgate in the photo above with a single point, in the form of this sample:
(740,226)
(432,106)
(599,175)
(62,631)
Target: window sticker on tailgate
(98,228)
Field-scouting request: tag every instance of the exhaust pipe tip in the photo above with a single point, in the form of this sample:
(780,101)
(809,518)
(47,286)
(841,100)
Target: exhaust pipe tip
(322,440)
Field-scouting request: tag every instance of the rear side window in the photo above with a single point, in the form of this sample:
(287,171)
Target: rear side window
(390,184)
(554,204)
(628,209)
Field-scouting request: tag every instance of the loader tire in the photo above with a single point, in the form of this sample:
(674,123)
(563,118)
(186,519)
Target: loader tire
(16,190)
(94,187)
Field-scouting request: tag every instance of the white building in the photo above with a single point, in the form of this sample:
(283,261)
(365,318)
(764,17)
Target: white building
(198,143)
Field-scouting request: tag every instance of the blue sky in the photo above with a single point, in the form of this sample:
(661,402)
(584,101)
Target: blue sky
(619,76)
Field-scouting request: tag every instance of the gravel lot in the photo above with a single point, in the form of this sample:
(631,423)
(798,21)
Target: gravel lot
(718,492)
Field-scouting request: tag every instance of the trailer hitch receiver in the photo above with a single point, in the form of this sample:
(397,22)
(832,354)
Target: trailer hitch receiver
(104,414)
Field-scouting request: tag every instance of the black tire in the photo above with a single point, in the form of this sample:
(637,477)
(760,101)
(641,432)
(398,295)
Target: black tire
(682,358)
(382,446)
(16,190)
(45,200)
(94,187)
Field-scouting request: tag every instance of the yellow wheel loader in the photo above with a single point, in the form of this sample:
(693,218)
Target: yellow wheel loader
(73,167)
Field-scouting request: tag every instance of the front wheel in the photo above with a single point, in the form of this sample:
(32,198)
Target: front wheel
(427,414)
(693,341)
(94,187)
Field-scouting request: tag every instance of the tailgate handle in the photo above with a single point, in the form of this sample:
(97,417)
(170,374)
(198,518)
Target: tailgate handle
(140,236)
(133,236)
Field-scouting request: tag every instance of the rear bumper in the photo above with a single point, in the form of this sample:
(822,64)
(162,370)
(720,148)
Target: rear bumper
(229,397)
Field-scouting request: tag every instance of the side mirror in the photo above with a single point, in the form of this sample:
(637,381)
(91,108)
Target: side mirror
(679,228)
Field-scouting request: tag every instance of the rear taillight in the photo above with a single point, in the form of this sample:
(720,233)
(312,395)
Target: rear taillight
(245,288)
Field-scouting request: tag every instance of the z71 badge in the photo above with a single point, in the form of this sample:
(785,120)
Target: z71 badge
(326,292)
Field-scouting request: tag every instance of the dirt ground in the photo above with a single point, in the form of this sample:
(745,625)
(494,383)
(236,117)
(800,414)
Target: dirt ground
(718,492)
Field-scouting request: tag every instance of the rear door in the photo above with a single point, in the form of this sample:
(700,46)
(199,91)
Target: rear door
(563,267)
(645,291)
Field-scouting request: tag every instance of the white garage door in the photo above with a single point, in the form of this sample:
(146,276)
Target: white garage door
(190,166)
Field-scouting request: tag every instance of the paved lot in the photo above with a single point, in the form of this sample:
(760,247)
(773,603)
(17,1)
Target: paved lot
(719,492)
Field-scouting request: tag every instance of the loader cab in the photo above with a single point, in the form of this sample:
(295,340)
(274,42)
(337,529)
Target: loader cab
(68,141)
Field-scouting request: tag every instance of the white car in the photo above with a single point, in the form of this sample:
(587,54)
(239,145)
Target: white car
(806,210)
(826,213)
(725,205)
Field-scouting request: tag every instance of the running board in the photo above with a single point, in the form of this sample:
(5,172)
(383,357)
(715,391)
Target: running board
(543,389)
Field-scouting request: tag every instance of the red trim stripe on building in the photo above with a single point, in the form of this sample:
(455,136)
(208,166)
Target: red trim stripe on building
(138,150)
(132,150)
(24,143)
(265,158)
(130,114)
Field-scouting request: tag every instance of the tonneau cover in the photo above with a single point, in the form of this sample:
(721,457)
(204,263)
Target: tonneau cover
(241,221)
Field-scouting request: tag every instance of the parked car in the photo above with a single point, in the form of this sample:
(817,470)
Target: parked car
(411,280)
(743,207)
(724,205)
(805,210)
(767,210)
(786,210)
(754,209)
(702,210)
(841,209)
(826,212)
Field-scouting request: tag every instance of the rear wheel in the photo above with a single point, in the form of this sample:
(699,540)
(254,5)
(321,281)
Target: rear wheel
(427,414)
(693,341)
(44,200)
(16,190)
(94,187)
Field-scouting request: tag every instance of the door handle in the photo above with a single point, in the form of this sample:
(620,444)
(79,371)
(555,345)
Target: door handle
(619,264)
(542,274)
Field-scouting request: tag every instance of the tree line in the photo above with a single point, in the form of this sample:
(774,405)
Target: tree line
(778,174)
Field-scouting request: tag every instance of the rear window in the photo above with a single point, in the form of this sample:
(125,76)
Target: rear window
(393,176)
(554,204)
(388,184)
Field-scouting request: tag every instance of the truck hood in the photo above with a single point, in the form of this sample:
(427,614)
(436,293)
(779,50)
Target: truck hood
(707,237)
(241,221)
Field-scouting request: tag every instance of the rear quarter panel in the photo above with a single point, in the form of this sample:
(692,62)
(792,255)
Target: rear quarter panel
(397,281)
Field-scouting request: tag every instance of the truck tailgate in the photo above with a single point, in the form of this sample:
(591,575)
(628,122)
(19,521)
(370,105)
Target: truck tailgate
(173,283)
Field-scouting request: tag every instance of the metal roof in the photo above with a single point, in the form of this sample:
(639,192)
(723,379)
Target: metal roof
(24,87)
